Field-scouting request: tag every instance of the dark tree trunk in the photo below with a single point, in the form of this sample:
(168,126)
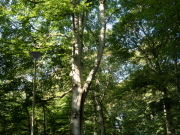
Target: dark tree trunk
(167,113)
(100,109)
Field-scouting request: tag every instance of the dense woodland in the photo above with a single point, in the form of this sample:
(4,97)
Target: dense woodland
(109,67)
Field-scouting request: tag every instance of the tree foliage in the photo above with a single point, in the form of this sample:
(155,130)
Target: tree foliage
(135,89)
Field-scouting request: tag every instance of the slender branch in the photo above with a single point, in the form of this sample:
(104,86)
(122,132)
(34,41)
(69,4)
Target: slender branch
(107,86)
(35,28)
(46,40)
(152,69)
(84,19)
(146,56)
(36,2)
(62,35)
(58,34)
(112,14)
(152,41)
(91,31)
(95,36)
(64,94)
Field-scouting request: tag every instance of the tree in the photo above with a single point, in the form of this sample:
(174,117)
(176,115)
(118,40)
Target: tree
(79,92)
(54,26)
(149,38)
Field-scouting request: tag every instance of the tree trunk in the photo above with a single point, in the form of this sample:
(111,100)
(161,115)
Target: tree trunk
(78,92)
(176,74)
(166,106)
(44,123)
(75,122)
(95,128)
(101,117)
(99,105)
(4,127)
(167,113)
(29,123)
(44,118)
(27,113)
(95,113)
(114,125)
(82,110)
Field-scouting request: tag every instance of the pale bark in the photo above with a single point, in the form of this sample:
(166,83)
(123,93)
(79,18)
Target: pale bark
(76,113)
(101,47)
(75,124)
(79,92)
(99,56)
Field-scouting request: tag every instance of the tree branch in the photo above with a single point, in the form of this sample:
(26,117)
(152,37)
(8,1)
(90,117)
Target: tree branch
(46,39)
(97,40)
(36,2)
(64,94)
(100,49)
(112,14)
(62,35)
(107,86)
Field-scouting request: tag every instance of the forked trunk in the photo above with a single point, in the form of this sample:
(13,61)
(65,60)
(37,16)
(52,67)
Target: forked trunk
(79,92)
(75,122)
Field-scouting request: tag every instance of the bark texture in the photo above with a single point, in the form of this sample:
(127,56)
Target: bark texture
(79,92)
